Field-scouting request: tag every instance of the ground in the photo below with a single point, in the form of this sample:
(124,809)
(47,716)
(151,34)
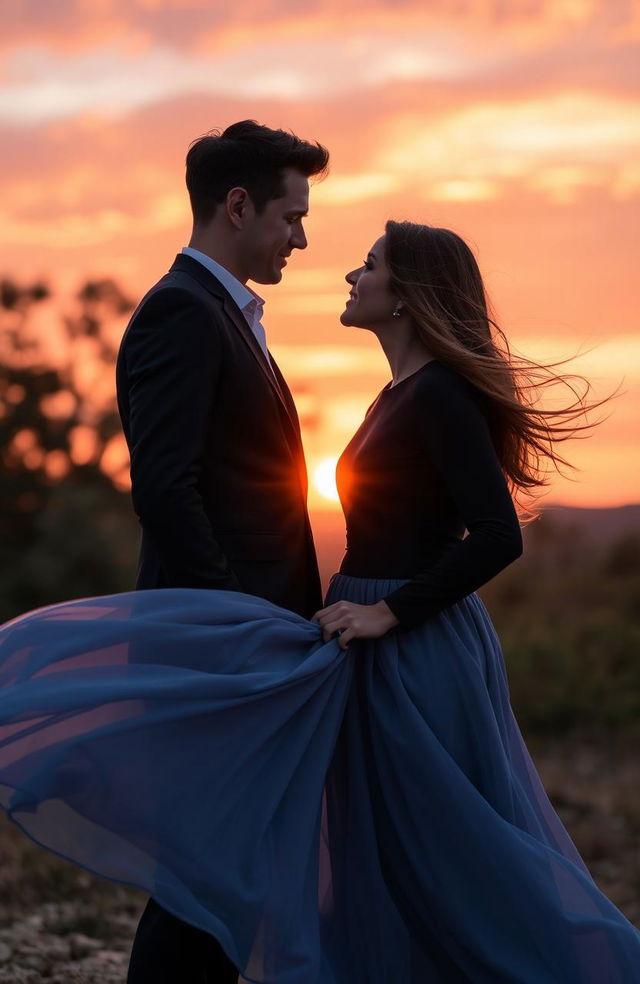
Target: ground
(61,926)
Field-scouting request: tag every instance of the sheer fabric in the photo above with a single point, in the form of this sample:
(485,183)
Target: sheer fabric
(361,818)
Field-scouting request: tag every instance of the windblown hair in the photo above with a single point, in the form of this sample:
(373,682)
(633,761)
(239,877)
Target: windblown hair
(249,156)
(435,275)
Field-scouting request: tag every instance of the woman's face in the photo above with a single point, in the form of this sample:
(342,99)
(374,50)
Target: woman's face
(371,301)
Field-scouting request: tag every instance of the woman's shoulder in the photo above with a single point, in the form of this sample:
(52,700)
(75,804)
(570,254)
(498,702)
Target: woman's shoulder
(441,385)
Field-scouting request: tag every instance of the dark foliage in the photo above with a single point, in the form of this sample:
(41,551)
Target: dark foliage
(66,529)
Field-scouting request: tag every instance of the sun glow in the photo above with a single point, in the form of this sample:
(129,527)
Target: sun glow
(324,479)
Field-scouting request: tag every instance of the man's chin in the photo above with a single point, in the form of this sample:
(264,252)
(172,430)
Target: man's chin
(266,277)
(274,277)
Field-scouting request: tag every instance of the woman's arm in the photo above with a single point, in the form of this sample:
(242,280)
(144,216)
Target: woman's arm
(455,435)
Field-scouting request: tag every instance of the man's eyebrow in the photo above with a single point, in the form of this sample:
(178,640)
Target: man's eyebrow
(297,211)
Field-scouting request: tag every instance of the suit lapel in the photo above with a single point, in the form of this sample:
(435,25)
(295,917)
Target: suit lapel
(285,393)
(290,408)
(187,264)
(275,379)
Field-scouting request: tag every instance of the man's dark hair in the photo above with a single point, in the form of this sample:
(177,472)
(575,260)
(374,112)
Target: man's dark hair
(249,156)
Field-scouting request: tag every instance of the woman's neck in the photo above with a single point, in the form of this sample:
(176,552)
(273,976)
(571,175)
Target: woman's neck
(405,355)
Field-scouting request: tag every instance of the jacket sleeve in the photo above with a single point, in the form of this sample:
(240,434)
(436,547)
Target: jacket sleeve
(173,362)
(455,435)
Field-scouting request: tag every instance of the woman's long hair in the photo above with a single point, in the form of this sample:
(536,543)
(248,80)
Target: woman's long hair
(435,275)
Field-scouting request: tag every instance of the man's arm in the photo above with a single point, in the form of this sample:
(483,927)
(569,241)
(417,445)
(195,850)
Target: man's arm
(173,363)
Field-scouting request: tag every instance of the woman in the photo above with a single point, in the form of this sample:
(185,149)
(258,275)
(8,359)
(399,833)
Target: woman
(354,808)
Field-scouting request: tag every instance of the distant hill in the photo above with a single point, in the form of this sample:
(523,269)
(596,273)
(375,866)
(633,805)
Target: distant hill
(599,526)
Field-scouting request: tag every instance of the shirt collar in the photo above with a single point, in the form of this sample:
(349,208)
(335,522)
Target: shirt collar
(250,303)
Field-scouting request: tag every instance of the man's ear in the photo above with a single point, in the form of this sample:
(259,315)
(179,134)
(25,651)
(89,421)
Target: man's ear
(237,202)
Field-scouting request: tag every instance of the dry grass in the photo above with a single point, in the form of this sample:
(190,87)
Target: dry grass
(595,789)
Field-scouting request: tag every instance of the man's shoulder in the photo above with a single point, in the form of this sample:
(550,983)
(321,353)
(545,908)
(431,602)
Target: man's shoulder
(176,286)
(178,309)
(174,293)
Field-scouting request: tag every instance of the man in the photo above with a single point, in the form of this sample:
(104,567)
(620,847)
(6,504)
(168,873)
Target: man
(217,468)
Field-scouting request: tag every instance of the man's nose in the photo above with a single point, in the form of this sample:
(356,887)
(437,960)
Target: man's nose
(299,239)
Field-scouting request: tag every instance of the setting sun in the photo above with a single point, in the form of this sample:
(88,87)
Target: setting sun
(324,479)
(457,127)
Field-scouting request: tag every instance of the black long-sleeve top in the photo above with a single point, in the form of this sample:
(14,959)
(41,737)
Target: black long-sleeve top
(419,472)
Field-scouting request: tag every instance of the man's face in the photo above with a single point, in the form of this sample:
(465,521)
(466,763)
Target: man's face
(269,237)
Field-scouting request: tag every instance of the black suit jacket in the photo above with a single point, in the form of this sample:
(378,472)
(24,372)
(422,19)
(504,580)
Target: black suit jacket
(218,474)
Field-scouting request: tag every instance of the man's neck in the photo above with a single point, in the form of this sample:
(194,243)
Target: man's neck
(220,255)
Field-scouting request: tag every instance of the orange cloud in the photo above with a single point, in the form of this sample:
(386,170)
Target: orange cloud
(114,56)
(193,24)
(515,124)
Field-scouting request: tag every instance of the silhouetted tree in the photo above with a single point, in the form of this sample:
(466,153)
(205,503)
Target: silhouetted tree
(66,527)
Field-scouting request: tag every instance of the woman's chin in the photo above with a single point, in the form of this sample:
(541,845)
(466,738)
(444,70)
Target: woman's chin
(347,317)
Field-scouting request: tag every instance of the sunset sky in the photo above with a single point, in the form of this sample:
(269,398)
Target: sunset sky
(515,123)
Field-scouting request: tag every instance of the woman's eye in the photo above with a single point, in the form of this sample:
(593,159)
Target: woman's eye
(366,265)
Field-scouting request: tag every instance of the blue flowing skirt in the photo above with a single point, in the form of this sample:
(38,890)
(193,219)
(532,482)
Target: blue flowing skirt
(370,817)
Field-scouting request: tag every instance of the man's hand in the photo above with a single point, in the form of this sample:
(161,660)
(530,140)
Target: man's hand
(352,621)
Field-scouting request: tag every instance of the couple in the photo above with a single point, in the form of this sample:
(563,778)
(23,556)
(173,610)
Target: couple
(338,799)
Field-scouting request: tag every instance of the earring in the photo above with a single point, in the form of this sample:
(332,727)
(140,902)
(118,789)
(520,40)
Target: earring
(397,312)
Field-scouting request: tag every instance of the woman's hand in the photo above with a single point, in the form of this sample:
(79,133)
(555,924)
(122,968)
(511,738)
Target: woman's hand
(353,621)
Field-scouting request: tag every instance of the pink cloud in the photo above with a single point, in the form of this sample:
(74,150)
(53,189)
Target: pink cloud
(76,24)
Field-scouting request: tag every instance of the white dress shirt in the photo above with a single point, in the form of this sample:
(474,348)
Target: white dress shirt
(250,303)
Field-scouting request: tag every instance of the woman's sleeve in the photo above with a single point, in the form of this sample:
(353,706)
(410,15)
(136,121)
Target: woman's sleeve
(455,435)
